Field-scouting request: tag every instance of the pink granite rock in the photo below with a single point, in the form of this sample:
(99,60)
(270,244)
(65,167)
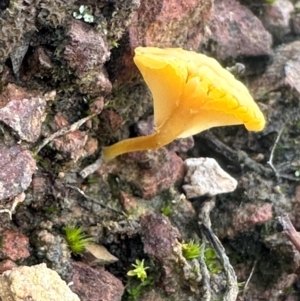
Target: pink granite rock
(87,48)
(159,238)
(72,144)
(16,168)
(6,265)
(277,18)
(23,111)
(180,23)
(150,172)
(92,284)
(281,73)
(250,215)
(235,31)
(86,53)
(14,246)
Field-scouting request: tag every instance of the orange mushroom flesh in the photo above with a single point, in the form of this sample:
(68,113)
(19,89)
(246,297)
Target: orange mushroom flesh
(191,93)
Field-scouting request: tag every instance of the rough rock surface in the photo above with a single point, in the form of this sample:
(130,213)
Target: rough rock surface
(236,32)
(23,111)
(158,231)
(54,250)
(291,70)
(277,18)
(150,172)
(287,282)
(36,283)
(6,265)
(160,240)
(86,53)
(14,246)
(247,216)
(151,296)
(180,23)
(282,71)
(16,169)
(95,284)
(87,49)
(21,19)
(40,64)
(295,216)
(205,176)
(296,20)
(72,143)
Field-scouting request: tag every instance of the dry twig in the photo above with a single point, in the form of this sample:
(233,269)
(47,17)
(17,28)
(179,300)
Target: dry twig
(96,201)
(17,199)
(71,128)
(290,231)
(91,168)
(248,280)
(270,162)
(205,226)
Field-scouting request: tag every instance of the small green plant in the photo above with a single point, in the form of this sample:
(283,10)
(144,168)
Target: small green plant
(114,44)
(241,286)
(135,291)
(166,210)
(191,250)
(212,261)
(139,270)
(76,239)
(84,13)
(51,209)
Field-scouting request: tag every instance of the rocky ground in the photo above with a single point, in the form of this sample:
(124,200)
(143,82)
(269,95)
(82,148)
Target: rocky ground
(68,87)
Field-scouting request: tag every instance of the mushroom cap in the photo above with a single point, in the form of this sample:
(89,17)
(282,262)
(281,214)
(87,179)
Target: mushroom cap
(189,82)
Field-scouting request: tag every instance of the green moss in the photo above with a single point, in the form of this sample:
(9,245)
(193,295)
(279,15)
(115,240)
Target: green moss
(166,210)
(191,250)
(76,239)
(134,292)
(212,261)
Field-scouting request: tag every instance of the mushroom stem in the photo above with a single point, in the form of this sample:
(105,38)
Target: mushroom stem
(153,141)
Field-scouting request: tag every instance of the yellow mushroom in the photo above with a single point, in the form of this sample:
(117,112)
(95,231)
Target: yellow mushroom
(191,93)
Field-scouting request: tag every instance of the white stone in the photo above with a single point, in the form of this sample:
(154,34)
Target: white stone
(205,176)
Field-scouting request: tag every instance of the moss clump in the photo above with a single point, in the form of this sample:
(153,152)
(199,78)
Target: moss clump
(191,250)
(76,239)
